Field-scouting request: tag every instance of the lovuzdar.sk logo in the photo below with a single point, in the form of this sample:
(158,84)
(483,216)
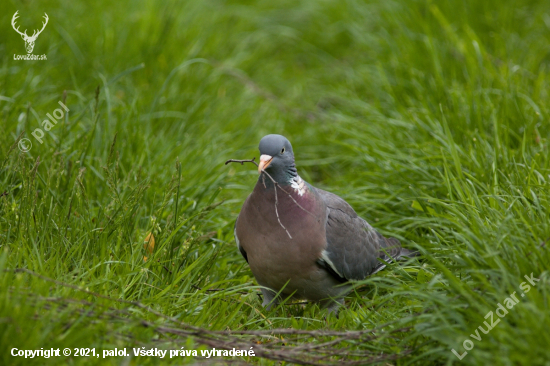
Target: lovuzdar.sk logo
(29,40)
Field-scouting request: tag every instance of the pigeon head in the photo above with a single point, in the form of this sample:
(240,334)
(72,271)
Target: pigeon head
(277,158)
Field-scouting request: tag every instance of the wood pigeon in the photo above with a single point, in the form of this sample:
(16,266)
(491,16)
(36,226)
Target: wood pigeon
(302,241)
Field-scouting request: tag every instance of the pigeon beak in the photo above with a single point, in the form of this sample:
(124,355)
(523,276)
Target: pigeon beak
(265,160)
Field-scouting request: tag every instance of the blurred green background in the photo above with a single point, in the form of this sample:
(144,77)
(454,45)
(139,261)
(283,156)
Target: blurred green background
(429,117)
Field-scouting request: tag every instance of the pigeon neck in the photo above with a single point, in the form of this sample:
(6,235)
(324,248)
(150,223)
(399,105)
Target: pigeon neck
(284,177)
(297,184)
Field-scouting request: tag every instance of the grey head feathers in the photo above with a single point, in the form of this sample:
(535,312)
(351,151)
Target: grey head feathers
(277,158)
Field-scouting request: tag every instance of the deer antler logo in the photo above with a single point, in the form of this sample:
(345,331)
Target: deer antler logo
(29,41)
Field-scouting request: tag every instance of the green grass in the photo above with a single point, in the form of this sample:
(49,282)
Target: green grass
(430,118)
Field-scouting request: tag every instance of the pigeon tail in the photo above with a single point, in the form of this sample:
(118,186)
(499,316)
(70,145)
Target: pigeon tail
(396,252)
(407,254)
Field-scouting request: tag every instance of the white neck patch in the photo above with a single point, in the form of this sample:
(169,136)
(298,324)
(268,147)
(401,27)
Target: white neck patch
(299,185)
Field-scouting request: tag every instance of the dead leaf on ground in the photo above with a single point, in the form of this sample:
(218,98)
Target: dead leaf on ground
(149,245)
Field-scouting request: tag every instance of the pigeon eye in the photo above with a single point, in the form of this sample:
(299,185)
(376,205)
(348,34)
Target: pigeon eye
(283,151)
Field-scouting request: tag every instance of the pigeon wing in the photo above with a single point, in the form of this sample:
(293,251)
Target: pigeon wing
(243,253)
(353,246)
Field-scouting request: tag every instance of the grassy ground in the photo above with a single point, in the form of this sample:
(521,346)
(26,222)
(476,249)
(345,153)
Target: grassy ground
(430,118)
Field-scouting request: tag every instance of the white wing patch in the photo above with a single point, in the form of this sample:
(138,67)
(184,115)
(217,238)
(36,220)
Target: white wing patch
(235,235)
(299,185)
(324,256)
